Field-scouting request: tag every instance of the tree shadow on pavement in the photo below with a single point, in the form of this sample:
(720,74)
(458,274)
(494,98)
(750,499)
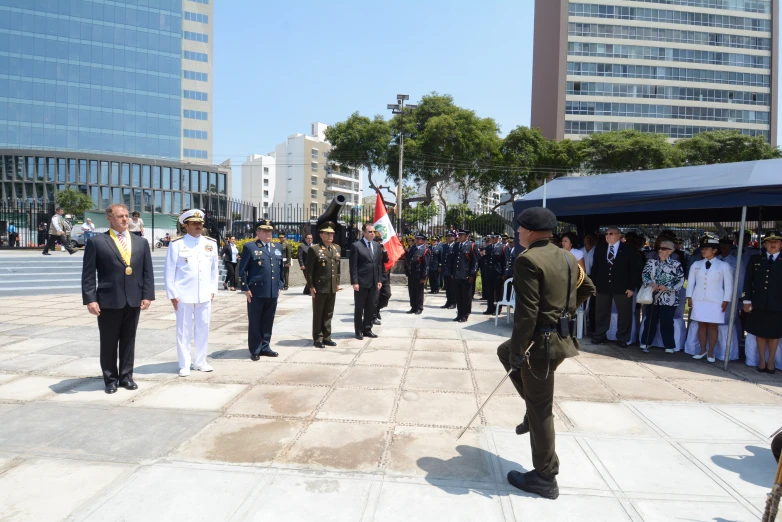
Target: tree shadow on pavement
(757,469)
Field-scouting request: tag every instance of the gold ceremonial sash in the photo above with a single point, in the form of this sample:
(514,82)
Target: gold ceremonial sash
(124,252)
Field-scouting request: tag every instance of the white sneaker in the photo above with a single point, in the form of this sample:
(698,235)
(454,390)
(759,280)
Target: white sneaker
(668,350)
(184,372)
(203,368)
(711,359)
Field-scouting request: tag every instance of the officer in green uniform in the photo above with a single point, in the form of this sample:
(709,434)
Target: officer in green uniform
(323,274)
(286,254)
(545,312)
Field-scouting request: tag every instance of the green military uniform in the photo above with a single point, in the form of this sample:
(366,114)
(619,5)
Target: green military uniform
(540,279)
(287,257)
(323,274)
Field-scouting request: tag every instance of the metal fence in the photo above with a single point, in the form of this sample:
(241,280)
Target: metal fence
(20,222)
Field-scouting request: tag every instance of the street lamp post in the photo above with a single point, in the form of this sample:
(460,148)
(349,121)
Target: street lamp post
(400,108)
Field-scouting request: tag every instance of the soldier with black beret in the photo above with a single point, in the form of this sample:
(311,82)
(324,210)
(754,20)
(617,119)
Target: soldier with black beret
(550,285)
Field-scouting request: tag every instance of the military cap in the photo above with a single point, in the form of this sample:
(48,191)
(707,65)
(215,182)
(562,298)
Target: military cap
(327,226)
(192,215)
(710,242)
(264,225)
(537,219)
(505,236)
(464,232)
(450,233)
(726,241)
(772,235)
(420,236)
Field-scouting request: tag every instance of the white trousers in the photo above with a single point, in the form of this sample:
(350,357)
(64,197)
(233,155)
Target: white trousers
(189,317)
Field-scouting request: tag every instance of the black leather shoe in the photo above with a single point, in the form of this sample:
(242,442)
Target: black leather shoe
(46,253)
(318,344)
(130,385)
(452,307)
(488,312)
(378,317)
(255,357)
(360,337)
(411,311)
(329,342)
(373,335)
(419,312)
(621,344)
(523,428)
(597,340)
(376,322)
(111,388)
(463,320)
(268,353)
(446,305)
(457,319)
(534,482)
(772,371)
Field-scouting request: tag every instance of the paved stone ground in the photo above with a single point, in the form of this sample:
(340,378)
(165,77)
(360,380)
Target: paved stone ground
(365,431)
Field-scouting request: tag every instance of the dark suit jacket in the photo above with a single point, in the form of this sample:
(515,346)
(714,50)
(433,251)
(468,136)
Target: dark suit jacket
(302,254)
(365,270)
(624,275)
(110,287)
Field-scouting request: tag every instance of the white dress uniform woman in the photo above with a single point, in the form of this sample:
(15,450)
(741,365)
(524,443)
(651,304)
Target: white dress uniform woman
(709,290)
(191,275)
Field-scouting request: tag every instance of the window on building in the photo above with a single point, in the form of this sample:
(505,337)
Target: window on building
(265,203)
(313,209)
(266,193)
(198,57)
(197,76)
(195,153)
(314,193)
(136,179)
(266,170)
(196,115)
(125,174)
(175,179)
(195,134)
(196,17)
(314,180)
(196,95)
(315,153)
(201,1)
(265,182)
(314,166)
(196,37)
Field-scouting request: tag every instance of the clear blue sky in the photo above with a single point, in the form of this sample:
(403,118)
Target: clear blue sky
(281,65)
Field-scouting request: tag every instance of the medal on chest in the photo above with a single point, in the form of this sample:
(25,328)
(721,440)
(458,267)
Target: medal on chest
(208,248)
(128,270)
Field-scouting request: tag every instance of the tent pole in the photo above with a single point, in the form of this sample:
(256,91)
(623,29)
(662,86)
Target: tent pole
(735,298)
(544,192)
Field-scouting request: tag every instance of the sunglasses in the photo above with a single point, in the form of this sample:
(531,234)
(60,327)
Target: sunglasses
(611,234)
(664,248)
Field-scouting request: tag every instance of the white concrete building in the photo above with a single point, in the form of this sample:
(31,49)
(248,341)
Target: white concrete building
(304,178)
(197,78)
(259,179)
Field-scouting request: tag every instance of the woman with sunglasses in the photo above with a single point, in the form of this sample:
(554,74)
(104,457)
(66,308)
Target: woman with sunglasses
(666,277)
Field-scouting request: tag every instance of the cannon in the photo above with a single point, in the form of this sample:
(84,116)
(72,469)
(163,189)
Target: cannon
(332,214)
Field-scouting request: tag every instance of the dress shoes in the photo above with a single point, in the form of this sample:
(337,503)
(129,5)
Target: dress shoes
(377,316)
(762,370)
(598,340)
(360,337)
(711,359)
(418,312)
(534,482)
(184,372)
(411,311)
(48,254)
(523,428)
(699,356)
(488,312)
(452,307)
(129,385)
(268,353)
(457,319)
(463,320)
(446,305)
(376,322)
(621,344)
(318,344)
(373,335)
(203,368)
(111,388)
(329,342)
(772,371)
(254,357)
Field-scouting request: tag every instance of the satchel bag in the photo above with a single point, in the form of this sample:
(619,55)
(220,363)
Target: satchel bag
(646,295)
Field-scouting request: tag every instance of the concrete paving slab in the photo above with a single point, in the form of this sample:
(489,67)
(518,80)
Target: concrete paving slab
(5,408)
(5,377)
(200,494)
(279,400)
(605,419)
(693,422)
(34,387)
(647,389)
(81,367)
(482,346)
(93,391)
(438,360)
(435,453)
(583,387)
(382,358)
(615,367)
(667,510)
(33,345)
(747,468)
(394,332)
(731,392)
(34,362)
(588,508)
(687,370)
(155,369)
(317,498)
(436,504)
(67,485)
(240,440)
(428,379)
(372,377)
(331,445)
(29,425)
(233,371)
(647,459)
(11,339)
(436,409)
(313,374)
(503,411)
(189,396)
(359,405)
(484,361)
(438,345)
(762,419)
(336,355)
(488,381)
(386,342)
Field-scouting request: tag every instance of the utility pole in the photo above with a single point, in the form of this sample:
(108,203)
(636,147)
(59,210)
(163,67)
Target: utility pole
(399,108)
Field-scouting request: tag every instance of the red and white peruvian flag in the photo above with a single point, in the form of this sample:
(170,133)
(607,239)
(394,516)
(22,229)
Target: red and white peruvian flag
(386,229)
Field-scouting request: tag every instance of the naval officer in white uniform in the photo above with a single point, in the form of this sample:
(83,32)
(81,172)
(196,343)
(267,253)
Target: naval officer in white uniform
(191,275)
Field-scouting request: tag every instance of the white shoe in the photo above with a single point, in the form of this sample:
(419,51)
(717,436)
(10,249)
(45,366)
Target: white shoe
(711,359)
(184,372)
(203,368)
(645,348)
(700,356)
(668,350)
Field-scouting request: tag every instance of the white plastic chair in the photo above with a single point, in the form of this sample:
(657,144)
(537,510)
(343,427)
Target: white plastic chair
(509,302)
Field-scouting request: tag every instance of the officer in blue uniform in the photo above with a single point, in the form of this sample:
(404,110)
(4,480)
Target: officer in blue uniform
(261,273)
(436,266)
(448,249)
(464,266)
(419,259)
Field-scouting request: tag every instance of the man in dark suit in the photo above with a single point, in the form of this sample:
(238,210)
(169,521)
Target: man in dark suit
(436,266)
(302,258)
(124,286)
(287,257)
(366,272)
(617,275)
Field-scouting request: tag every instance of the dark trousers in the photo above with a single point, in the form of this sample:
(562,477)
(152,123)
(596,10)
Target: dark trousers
(52,242)
(624,310)
(306,286)
(538,395)
(287,271)
(12,237)
(117,328)
(490,291)
(382,298)
(322,312)
(591,325)
(434,281)
(260,315)
(662,315)
(463,292)
(448,285)
(364,308)
(230,274)
(415,288)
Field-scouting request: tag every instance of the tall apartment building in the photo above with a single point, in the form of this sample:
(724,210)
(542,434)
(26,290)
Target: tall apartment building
(259,179)
(197,60)
(676,67)
(304,177)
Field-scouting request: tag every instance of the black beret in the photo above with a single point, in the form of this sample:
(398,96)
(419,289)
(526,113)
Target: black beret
(537,219)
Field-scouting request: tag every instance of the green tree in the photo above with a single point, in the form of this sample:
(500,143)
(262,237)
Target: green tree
(488,223)
(725,146)
(420,215)
(627,150)
(74,202)
(459,216)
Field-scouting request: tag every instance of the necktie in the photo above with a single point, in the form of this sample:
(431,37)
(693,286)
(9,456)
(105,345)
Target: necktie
(611,255)
(708,265)
(121,238)
(770,259)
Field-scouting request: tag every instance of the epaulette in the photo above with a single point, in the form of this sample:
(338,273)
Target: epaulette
(211,239)
(581,275)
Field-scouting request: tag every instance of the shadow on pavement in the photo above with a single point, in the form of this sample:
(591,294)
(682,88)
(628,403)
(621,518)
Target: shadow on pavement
(66,386)
(471,461)
(757,469)
(155,368)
